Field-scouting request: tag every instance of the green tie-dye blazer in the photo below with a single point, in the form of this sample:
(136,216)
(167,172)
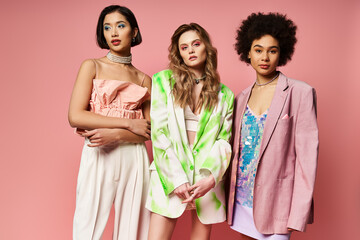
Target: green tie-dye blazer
(176,163)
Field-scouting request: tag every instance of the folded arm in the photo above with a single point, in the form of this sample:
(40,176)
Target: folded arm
(103,136)
(79,115)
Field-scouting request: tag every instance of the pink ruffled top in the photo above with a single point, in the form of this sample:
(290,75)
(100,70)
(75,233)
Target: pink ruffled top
(115,98)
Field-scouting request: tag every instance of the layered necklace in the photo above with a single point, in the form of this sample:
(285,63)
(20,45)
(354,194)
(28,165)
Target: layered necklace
(263,84)
(119,59)
(197,80)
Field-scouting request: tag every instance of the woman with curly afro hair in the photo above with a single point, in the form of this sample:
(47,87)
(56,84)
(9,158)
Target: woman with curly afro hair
(275,136)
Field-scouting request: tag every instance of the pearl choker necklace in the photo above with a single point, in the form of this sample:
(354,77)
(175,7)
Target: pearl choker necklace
(197,80)
(263,84)
(118,59)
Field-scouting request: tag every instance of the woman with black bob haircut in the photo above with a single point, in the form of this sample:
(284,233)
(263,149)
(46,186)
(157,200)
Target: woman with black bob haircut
(110,107)
(275,136)
(130,17)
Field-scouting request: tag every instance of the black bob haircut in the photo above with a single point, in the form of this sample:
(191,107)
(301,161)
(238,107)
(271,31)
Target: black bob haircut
(258,25)
(130,17)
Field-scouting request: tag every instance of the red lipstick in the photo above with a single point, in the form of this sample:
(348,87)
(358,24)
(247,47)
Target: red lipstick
(115,42)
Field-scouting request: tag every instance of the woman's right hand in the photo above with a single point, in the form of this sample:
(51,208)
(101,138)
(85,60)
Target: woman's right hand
(140,127)
(182,191)
(200,188)
(102,136)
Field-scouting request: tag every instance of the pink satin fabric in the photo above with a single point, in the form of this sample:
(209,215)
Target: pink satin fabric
(115,98)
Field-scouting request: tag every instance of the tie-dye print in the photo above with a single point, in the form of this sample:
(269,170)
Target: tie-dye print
(252,128)
(176,163)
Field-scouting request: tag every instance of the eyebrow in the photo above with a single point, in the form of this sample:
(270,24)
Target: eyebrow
(115,23)
(191,42)
(257,45)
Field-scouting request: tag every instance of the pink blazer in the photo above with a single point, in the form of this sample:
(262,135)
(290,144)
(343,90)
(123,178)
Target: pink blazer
(284,182)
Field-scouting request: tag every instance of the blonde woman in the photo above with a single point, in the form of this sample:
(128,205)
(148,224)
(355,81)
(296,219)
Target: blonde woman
(191,118)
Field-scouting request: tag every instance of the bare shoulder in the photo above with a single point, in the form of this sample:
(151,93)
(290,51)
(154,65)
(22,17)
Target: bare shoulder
(88,67)
(147,82)
(101,60)
(88,63)
(144,79)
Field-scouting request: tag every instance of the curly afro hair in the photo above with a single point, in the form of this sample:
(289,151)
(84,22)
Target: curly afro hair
(257,25)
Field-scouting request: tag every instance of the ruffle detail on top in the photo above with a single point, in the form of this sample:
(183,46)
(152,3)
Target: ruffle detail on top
(115,98)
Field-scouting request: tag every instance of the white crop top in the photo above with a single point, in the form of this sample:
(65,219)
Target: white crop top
(191,119)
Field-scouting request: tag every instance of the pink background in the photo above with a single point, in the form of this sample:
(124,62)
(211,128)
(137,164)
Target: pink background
(43,43)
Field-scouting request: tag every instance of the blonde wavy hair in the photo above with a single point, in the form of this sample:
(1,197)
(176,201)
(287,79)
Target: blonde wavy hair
(184,78)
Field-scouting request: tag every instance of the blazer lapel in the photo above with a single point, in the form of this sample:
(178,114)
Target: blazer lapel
(240,109)
(179,116)
(276,107)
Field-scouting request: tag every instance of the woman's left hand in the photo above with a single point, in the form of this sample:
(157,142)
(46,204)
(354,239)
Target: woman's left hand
(200,188)
(101,136)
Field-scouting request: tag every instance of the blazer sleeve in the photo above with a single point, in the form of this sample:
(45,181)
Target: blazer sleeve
(166,161)
(306,147)
(218,158)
